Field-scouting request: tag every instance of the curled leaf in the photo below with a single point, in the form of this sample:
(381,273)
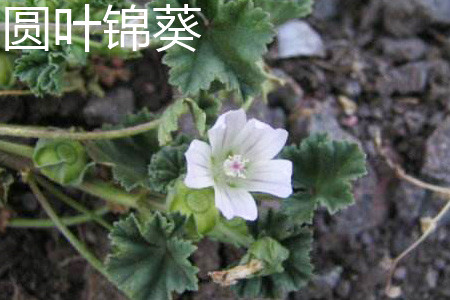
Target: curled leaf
(63,161)
(166,166)
(196,203)
(170,117)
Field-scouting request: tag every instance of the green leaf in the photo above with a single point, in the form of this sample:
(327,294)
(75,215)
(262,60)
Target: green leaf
(297,267)
(7,79)
(198,203)
(6,180)
(281,11)
(149,258)
(229,50)
(166,167)
(270,252)
(234,231)
(170,117)
(42,71)
(323,173)
(63,161)
(130,156)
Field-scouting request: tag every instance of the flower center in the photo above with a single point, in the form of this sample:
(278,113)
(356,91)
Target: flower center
(234,166)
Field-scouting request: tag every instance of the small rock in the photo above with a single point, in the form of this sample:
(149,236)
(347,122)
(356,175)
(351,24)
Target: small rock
(432,278)
(351,88)
(298,38)
(404,80)
(415,121)
(408,200)
(437,157)
(111,109)
(403,50)
(437,11)
(332,278)
(287,96)
(325,9)
(349,106)
(343,289)
(401,18)
(275,117)
(400,273)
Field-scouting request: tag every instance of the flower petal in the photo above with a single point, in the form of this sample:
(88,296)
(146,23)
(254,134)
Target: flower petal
(259,141)
(235,202)
(198,158)
(227,127)
(272,177)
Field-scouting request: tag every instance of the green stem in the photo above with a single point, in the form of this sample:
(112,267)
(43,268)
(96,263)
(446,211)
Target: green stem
(80,246)
(6,93)
(247,104)
(47,223)
(71,202)
(32,132)
(109,192)
(17,149)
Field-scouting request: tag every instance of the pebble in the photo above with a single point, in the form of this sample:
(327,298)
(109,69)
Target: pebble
(298,38)
(111,109)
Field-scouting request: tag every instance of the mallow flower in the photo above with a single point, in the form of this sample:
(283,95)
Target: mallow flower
(239,159)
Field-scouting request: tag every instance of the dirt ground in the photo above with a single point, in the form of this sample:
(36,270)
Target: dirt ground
(390,61)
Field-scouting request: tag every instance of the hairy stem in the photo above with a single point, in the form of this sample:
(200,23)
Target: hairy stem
(16,149)
(76,243)
(109,192)
(6,93)
(32,132)
(431,228)
(48,223)
(71,202)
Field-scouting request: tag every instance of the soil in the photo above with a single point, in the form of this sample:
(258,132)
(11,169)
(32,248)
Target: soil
(385,57)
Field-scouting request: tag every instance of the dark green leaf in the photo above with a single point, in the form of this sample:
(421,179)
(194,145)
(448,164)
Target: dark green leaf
(234,231)
(7,79)
(323,174)
(42,71)
(268,251)
(281,11)
(229,50)
(130,156)
(149,259)
(170,117)
(297,268)
(166,167)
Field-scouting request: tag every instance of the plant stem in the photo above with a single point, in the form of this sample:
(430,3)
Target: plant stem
(15,162)
(32,132)
(81,247)
(6,93)
(71,202)
(431,228)
(109,192)
(47,223)
(17,149)
(247,104)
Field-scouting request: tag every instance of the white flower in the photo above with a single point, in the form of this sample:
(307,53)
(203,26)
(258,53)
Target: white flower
(239,160)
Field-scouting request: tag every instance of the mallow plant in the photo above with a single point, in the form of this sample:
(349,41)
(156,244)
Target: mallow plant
(235,180)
